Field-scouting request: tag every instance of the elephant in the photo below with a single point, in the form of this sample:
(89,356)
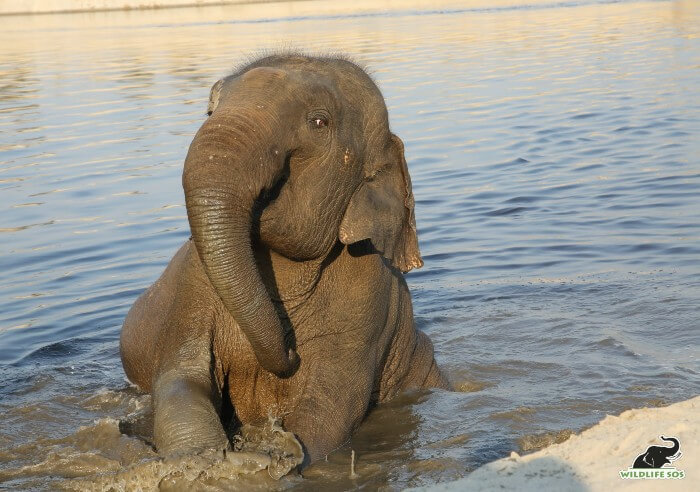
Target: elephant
(289,297)
(658,456)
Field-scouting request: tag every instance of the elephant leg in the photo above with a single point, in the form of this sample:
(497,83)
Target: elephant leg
(424,371)
(186,417)
(410,357)
(329,412)
(410,364)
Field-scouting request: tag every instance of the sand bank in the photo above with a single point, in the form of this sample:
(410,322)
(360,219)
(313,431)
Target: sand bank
(593,459)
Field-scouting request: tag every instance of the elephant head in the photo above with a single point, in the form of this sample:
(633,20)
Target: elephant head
(658,456)
(295,155)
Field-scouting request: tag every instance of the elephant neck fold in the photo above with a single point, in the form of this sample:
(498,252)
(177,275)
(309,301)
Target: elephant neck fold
(288,281)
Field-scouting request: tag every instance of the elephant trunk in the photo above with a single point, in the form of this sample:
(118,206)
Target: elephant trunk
(230,163)
(676,445)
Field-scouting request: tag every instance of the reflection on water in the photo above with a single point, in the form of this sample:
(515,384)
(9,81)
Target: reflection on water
(553,149)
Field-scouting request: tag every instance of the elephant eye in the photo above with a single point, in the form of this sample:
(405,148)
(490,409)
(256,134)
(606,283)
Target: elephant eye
(318,119)
(318,122)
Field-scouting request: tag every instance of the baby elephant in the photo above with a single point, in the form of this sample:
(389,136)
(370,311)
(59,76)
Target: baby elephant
(289,298)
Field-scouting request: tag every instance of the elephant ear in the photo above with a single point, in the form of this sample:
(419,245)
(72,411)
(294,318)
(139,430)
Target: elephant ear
(214,95)
(382,210)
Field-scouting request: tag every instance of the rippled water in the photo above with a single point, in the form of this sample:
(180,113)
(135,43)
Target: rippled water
(555,158)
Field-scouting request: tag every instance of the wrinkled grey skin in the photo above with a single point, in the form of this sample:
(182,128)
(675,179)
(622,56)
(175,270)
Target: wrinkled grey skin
(658,456)
(289,299)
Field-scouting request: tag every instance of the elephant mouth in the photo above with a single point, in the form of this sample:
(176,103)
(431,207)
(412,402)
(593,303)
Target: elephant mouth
(270,195)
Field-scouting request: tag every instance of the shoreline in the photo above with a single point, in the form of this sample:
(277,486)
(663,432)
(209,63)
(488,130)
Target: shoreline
(31,7)
(51,7)
(597,458)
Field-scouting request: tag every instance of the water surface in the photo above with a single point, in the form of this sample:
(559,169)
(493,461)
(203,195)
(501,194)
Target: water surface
(554,153)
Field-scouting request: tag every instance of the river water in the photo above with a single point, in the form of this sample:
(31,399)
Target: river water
(555,158)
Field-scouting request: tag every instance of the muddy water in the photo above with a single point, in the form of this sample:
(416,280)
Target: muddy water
(555,157)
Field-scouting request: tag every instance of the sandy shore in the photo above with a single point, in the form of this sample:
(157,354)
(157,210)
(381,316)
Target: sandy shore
(593,459)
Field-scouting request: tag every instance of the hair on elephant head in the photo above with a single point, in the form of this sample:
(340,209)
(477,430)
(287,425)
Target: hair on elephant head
(296,155)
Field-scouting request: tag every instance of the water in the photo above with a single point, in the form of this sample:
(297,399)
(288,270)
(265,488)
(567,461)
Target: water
(554,153)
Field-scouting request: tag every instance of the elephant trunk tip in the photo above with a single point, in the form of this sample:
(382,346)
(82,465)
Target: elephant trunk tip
(284,368)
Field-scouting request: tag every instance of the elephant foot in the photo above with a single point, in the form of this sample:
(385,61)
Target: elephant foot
(139,426)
